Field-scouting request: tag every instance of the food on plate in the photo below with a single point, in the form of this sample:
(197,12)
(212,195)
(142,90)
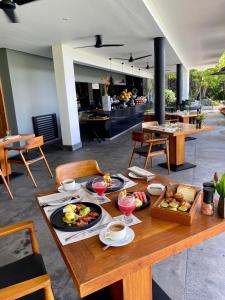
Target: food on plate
(140,198)
(188,192)
(180,200)
(79,215)
(107,178)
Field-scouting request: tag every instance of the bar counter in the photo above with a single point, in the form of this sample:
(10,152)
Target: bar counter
(118,121)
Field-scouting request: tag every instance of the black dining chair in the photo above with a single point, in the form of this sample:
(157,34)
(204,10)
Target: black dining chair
(26,278)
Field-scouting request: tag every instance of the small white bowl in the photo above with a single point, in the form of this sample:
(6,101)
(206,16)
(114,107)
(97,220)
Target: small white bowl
(155,189)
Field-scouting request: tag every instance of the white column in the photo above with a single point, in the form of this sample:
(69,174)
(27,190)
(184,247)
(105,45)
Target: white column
(186,73)
(66,92)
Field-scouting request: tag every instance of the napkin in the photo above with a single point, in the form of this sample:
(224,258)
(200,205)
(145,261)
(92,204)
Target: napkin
(10,137)
(141,172)
(54,198)
(128,183)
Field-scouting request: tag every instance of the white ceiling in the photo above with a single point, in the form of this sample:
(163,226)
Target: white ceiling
(119,21)
(196,29)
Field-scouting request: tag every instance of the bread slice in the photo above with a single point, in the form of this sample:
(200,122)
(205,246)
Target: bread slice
(188,192)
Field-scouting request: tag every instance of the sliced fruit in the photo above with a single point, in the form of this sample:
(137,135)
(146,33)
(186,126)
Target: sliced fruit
(183,208)
(164,204)
(173,204)
(138,203)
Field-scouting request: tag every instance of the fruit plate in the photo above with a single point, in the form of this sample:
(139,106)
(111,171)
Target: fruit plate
(117,184)
(185,218)
(140,207)
(57,218)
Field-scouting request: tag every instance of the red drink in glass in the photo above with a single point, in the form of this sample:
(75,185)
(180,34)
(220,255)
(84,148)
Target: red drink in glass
(127,205)
(99,187)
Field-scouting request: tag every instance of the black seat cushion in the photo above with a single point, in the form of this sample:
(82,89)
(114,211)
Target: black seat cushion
(144,149)
(27,155)
(24,269)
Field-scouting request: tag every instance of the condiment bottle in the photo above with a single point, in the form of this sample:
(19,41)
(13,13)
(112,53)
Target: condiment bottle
(208,204)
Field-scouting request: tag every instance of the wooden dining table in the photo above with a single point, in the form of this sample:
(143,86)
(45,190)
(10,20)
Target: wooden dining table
(177,143)
(126,272)
(5,143)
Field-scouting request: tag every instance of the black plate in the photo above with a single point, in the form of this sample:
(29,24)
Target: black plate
(141,207)
(118,183)
(57,218)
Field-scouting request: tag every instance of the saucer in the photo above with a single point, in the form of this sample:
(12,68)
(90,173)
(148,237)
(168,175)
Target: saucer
(61,189)
(127,240)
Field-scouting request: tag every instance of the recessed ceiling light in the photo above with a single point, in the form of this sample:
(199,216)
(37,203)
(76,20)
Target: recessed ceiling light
(66,19)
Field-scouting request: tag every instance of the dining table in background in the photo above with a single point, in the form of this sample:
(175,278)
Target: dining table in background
(177,143)
(4,143)
(183,117)
(126,272)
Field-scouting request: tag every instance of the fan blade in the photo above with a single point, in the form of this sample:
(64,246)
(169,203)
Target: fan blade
(84,47)
(119,58)
(112,45)
(11,15)
(22,2)
(142,57)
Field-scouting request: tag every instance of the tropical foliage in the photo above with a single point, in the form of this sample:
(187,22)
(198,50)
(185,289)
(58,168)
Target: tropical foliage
(170,97)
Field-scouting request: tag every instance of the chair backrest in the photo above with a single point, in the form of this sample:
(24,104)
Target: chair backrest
(138,136)
(77,169)
(34,142)
(149,124)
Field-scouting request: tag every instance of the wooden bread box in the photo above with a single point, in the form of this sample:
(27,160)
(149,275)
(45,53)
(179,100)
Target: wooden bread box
(185,218)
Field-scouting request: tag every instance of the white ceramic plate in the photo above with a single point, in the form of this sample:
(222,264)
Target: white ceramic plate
(61,190)
(127,240)
(132,175)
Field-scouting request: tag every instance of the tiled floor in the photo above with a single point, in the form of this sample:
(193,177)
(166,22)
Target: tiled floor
(195,274)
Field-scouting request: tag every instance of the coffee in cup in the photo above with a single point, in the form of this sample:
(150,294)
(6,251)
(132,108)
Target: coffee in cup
(116,230)
(69,184)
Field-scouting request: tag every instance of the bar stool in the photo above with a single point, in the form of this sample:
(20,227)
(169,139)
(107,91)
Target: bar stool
(27,158)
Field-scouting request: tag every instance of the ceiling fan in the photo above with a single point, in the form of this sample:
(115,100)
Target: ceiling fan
(9,6)
(99,44)
(131,58)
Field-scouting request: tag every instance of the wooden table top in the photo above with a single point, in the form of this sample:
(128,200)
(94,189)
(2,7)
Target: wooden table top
(184,115)
(184,129)
(92,268)
(20,138)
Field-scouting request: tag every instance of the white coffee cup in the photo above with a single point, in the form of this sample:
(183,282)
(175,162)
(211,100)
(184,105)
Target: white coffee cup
(116,231)
(69,184)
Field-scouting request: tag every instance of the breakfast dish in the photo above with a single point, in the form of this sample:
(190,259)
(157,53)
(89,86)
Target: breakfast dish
(142,200)
(179,200)
(114,183)
(74,217)
(117,243)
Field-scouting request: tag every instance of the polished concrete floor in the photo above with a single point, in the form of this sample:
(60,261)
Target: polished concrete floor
(195,274)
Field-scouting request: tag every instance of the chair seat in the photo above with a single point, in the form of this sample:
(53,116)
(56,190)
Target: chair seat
(27,155)
(24,269)
(144,149)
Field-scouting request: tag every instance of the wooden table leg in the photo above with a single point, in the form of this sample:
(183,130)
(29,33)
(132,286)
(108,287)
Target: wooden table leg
(138,285)
(2,162)
(177,150)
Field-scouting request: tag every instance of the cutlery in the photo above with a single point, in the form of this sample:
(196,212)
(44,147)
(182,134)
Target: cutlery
(106,247)
(88,231)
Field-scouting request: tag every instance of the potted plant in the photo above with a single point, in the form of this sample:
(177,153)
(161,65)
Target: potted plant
(199,120)
(219,183)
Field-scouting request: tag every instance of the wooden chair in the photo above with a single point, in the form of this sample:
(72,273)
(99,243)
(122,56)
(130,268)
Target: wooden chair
(77,169)
(149,147)
(6,185)
(27,277)
(28,158)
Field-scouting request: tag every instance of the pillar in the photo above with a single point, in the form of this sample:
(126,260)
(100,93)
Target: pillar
(67,100)
(159,55)
(179,85)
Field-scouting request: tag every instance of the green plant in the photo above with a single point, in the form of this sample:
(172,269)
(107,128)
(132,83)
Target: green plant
(201,117)
(170,97)
(219,184)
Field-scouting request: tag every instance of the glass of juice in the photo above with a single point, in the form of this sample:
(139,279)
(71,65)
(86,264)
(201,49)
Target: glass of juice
(99,186)
(127,205)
